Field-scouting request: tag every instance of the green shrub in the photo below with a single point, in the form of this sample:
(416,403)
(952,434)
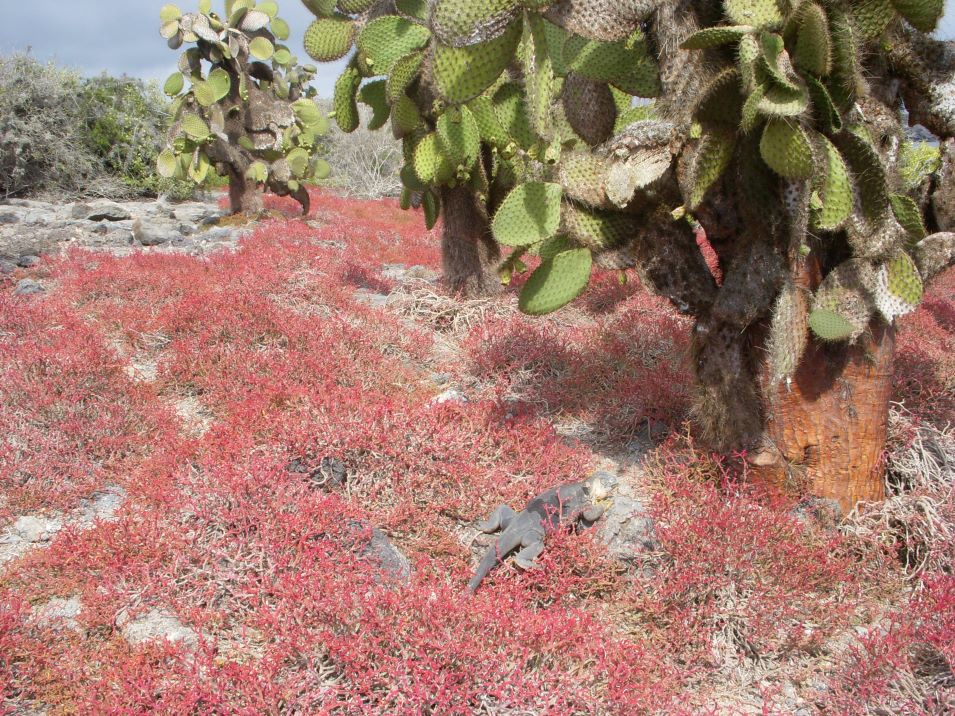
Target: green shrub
(71,136)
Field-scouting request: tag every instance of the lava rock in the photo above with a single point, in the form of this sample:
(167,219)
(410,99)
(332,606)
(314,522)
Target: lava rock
(8,217)
(824,512)
(451,395)
(28,287)
(628,529)
(194,213)
(153,235)
(331,472)
(7,267)
(100,211)
(28,261)
(380,550)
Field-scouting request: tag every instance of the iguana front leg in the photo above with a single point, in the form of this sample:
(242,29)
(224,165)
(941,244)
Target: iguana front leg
(500,519)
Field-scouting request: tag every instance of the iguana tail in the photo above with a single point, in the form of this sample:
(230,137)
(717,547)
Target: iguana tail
(488,562)
(509,540)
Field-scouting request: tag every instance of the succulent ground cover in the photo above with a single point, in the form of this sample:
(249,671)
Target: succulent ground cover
(210,394)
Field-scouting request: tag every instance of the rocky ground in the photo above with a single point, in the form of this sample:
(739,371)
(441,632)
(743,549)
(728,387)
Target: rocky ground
(30,228)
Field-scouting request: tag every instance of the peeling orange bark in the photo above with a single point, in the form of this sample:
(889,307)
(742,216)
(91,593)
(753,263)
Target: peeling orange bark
(826,431)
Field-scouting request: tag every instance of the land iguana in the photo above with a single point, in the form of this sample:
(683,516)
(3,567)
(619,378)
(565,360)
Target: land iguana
(578,504)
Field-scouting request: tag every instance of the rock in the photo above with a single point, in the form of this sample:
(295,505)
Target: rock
(375,300)
(28,287)
(153,235)
(627,529)
(824,512)
(440,379)
(7,267)
(331,472)
(194,213)
(100,211)
(33,529)
(8,217)
(187,229)
(156,625)
(60,613)
(388,558)
(451,395)
(402,273)
(28,261)
(220,234)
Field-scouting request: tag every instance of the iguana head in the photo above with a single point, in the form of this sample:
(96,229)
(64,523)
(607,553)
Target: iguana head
(600,485)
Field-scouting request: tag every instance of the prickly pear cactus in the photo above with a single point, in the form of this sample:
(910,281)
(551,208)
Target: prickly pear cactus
(243,105)
(613,129)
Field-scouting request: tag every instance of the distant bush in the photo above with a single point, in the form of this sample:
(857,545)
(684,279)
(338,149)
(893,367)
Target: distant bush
(65,134)
(365,164)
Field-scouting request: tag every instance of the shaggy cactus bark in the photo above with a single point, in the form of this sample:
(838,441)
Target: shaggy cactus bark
(776,125)
(248,112)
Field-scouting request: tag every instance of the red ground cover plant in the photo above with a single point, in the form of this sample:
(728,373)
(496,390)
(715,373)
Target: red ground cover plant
(213,391)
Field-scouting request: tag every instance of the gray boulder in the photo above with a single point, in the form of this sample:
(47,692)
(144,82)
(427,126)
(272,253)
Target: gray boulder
(28,261)
(628,530)
(28,287)
(153,234)
(100,211)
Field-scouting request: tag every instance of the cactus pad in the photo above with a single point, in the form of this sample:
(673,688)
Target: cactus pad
(712,159)
(329,38)
(556,282)
(462,73)
(387,39)
(529,214)
(786,150)
(459,137)
(463,22)
(835,190)
(898,287)
(814,44)
(757,13)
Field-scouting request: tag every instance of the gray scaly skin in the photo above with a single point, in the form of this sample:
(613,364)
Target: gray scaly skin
(574,504)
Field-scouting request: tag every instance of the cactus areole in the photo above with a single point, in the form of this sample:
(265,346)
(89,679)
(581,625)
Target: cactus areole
(242,103)
(600,133)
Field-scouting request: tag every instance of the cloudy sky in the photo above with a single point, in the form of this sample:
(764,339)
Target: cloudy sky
(122,36)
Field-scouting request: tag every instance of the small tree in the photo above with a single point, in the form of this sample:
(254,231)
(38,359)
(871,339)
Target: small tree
(248,112)
(777,126)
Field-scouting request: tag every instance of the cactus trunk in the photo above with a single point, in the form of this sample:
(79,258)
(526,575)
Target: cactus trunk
(468,249)
(245,195)
(828,428)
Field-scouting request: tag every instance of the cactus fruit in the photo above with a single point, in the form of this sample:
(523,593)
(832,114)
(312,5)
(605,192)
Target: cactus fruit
(243,105)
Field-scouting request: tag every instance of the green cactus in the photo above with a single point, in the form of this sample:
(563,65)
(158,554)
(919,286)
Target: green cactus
(775,126)
(242,102)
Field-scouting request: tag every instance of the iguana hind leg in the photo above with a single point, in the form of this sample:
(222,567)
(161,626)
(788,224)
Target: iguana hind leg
(500,519)
(533,545)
